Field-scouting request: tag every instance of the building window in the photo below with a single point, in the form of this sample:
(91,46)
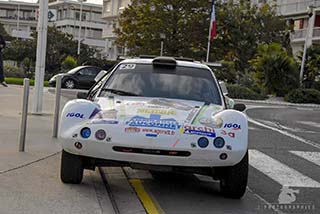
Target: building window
(317,21)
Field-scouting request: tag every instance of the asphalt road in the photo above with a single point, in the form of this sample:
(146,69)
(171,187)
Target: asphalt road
(284,174)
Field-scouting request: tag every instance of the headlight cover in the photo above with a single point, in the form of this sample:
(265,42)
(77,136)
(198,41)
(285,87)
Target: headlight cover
(212,122)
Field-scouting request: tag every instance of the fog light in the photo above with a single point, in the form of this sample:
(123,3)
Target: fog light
(100,134)
(203,142)
(223,156)
(219,142)
(85,132)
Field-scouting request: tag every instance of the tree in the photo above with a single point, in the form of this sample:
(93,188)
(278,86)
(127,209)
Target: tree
(4,33)
(240,29)
(275,70)
(59,46)
(312,66)
(184,24)
(68,63)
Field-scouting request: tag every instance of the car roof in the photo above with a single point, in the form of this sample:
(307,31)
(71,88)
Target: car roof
(179,63)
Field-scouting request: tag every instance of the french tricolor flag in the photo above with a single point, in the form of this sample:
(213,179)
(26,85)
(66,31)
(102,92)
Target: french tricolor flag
(213,25)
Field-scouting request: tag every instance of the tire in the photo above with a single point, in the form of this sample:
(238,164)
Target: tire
(233,179)
(71,171)
(69,83)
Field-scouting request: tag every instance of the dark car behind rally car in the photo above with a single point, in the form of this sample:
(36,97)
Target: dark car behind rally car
(79,77)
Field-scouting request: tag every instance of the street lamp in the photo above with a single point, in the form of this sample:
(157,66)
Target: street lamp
(80,25)
(308,40)
(162,37)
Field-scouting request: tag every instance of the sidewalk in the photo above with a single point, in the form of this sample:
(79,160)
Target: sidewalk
(29,181)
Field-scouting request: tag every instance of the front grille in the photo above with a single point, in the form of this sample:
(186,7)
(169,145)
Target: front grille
(152,151)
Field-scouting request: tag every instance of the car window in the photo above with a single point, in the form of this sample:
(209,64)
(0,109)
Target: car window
(178,83)
(88,72)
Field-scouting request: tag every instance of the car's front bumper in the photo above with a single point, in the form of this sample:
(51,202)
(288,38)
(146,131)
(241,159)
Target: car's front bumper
(108,150)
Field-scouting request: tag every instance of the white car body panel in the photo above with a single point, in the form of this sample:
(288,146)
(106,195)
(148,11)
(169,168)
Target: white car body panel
(154,123)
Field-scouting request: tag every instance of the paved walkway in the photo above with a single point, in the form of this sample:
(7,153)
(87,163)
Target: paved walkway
(29,181)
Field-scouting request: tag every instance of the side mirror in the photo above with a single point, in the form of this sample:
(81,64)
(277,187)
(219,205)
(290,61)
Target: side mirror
(223,88)
(239,107)
(100,75)
(82,95)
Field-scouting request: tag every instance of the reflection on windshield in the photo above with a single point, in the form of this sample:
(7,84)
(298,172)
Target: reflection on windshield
(179,83)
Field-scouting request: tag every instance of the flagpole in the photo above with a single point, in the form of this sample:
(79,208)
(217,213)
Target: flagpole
(209,36)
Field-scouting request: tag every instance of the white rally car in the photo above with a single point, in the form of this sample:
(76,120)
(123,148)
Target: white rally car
(159,114)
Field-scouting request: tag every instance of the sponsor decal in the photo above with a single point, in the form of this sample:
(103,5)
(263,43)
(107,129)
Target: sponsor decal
(77,115)
(107,114)
(195,130)
(98,121)
(154,121)
(132,130)
(233,126)
(192,114)
(159,131)
(127,66)
(151,135)
(230,134)
(95,111)
(156,111)
(170,103)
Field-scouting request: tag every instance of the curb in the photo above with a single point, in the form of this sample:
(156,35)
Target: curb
(278,103)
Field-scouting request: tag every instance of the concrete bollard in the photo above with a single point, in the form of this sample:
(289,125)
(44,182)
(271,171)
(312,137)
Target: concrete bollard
(24,114)
(57,107)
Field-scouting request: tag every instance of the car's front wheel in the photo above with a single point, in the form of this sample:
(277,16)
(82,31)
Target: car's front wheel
(69,83)
(233,179)
(72,166)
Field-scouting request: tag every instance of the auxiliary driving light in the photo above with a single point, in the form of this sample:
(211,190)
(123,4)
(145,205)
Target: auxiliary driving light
(100,134)
(219,142)
(85,132)
(203,142)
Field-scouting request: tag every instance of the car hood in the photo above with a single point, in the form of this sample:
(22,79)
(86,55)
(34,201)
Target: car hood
(144,111)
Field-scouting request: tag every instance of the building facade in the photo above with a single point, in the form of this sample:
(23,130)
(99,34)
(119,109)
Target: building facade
(67,20)
(300,14)
(18,18)
(110,12)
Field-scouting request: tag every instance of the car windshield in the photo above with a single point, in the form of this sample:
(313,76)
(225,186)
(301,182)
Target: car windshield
(74,70)
(149,81)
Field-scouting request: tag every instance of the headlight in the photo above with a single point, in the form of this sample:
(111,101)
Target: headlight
(212,122)
(219,142)
(85,132)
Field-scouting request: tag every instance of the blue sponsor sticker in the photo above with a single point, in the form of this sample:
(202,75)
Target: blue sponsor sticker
(95,111)
(154,121)
(198,132)
(112,122)
(75,114)
(151,135)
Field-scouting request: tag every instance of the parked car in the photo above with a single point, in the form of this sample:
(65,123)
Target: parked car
(158,114)
(79,77)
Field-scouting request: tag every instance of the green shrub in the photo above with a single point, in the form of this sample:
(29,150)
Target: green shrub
(13,71)
(241,92)
(68,63)
(303,96)
(19,81)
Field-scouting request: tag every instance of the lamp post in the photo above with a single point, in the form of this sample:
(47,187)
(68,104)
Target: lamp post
(308,40)
(162,37)
(80,25)
(41,56)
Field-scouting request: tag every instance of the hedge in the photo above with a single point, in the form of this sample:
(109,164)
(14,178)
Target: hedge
(303,96)
(19,81)
(241,92)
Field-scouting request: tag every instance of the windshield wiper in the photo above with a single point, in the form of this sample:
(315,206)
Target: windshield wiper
(119,92)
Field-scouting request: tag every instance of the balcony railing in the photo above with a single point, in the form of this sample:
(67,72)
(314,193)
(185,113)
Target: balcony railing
(296,7)
(316,32)
(301,34)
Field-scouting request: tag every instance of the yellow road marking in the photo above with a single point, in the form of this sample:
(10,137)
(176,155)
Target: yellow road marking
(144,197)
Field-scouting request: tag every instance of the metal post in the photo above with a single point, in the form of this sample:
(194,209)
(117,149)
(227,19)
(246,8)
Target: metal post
(41,56)
(18,21)
(57,107)
(80,25)
(24,114)
(161,51)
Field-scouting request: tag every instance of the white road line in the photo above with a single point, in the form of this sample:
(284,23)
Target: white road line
(313,157)
(280,172)
(309,142)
